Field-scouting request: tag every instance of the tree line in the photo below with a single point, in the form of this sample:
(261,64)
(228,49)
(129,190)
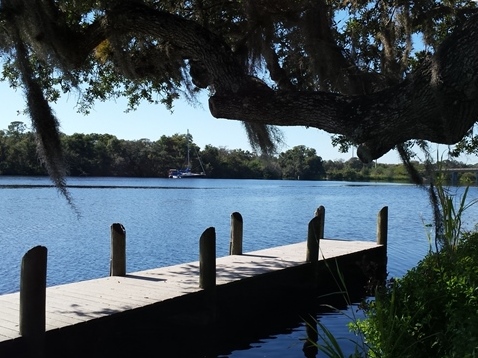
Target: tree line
(107,155)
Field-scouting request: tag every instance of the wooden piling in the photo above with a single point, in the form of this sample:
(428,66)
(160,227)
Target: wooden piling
(320,212)
(33,300)
(315,234)
(118,250)
(382,226)
(207,259)
(382,239)
(235,245)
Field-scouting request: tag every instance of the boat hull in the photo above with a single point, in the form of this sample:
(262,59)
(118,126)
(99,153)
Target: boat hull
(192,176)
(178,174)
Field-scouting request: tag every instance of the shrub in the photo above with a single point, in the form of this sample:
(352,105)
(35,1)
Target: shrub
(432,311)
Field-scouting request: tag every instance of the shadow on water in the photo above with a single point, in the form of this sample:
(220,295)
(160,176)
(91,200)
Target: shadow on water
(281,330)
(259,336)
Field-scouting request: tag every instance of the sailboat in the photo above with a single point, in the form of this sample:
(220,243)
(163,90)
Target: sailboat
(187,173)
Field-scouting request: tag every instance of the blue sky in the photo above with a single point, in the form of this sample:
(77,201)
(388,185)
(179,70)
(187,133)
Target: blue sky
(153,121)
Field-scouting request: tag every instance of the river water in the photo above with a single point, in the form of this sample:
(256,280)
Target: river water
(164,219)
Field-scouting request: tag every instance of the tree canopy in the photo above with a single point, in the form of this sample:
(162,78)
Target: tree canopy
(375,73)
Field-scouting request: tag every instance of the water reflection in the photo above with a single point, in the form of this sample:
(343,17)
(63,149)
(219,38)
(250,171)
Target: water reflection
(299,336)
(284,334)
(310,347)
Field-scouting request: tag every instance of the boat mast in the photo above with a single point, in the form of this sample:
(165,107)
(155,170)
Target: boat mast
(187,141)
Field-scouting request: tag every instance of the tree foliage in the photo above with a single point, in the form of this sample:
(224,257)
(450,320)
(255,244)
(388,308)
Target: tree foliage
(352,68)
(301,162)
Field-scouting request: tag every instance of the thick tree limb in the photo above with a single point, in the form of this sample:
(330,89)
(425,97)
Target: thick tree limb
(438,103)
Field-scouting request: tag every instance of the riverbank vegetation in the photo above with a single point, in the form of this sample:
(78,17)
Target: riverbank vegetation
(432,310)
(107,155)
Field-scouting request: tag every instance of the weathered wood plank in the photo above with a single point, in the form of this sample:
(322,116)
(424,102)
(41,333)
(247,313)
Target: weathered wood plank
(99,293)
(11,315)
(10,320)
(8,333)
(126,288)
(81,309)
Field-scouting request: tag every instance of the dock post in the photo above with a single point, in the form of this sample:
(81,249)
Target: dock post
(320,212)
(235,245)
(315,234)
(118,250)
(382,239)
(33,300)
(382,226)
(207,259)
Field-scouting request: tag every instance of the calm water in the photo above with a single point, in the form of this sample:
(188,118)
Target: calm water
(164,219)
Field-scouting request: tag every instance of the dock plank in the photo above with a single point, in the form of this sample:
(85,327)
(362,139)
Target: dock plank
(80,294)
(7,333)
(101,295)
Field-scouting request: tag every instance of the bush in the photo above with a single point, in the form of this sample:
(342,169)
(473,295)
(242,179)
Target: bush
(432,311)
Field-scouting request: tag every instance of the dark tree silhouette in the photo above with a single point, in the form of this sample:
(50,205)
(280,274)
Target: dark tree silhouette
(346,67)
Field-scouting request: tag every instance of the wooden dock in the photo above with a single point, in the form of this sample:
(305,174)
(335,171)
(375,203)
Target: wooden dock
(195,294)
(80,302)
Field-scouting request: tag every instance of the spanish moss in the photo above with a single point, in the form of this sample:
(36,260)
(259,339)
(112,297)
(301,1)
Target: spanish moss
(44,123)
(263,138)
(430,188)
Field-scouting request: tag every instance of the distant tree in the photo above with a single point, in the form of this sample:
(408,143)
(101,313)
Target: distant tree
(80,154)
(271,168)
(106,155)
(238,166)
(301,162)
(16,129)
(354,163)
(212,161)
(18,151)
(333,165)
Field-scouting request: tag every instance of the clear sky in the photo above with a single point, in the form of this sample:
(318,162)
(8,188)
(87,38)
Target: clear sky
(153,121)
